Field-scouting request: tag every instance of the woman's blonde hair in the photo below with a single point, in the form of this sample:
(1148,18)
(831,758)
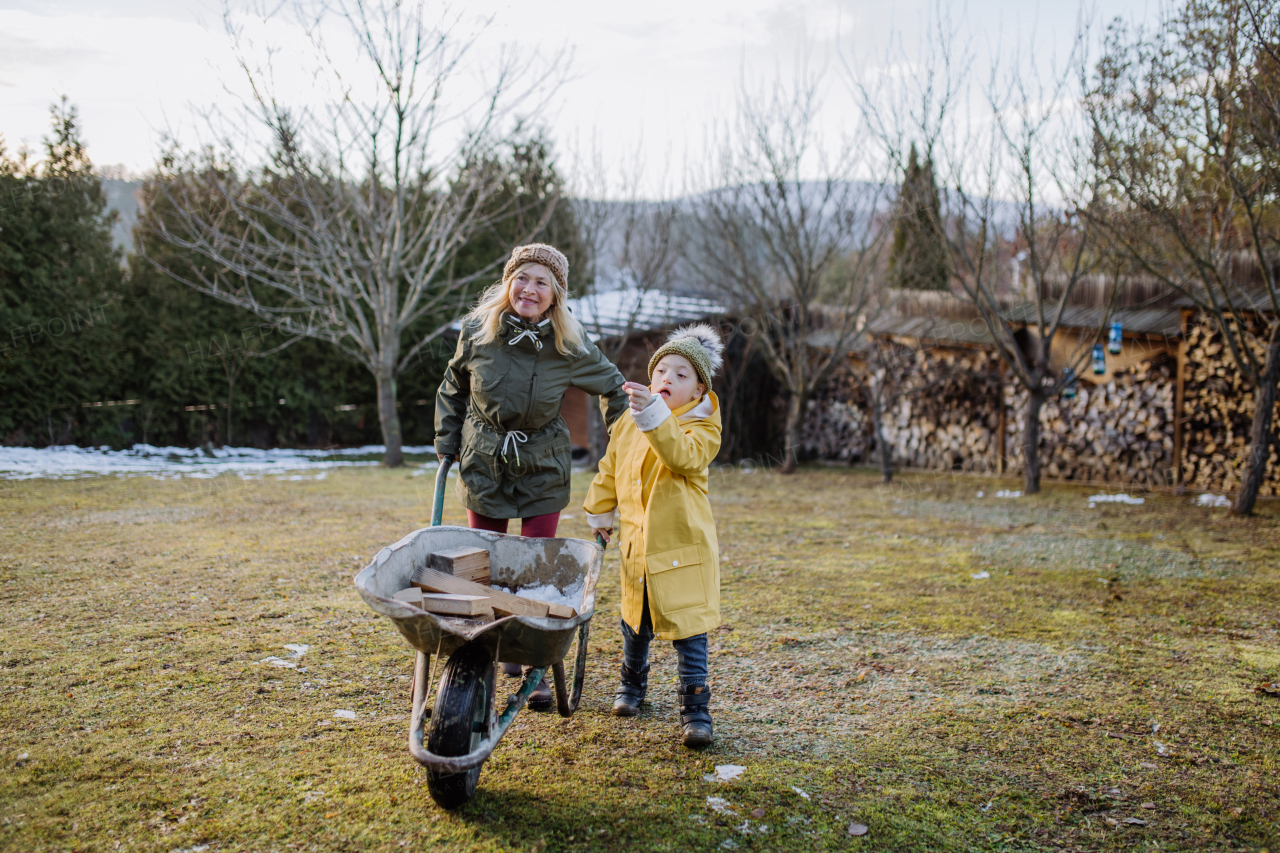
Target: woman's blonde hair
(494,303)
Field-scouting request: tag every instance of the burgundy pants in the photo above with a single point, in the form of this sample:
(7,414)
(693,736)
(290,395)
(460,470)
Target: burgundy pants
(540,526)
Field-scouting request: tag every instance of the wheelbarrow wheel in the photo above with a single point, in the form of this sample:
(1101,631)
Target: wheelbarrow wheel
(460,720)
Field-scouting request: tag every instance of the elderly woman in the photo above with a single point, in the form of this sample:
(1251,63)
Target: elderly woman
(498,408)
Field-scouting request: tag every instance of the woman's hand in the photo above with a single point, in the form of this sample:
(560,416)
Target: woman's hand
(640,395)
(444,456)
(604,533)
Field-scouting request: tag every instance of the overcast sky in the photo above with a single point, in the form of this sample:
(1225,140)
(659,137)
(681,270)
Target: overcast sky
(648,74)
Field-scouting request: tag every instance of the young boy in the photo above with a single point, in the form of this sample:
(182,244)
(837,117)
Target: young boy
(653,482)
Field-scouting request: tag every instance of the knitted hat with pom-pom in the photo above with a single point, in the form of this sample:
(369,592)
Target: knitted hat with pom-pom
(700,344)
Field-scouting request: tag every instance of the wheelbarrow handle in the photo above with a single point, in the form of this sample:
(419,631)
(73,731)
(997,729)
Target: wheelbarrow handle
(442,478)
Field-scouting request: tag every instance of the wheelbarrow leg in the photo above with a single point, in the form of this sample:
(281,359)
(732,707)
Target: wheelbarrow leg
(567,703)
(418,692)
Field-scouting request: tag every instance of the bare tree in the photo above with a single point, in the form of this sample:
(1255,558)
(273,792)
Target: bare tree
(347,223)
(1187,120)
(632,253)
(787,237)
(1019,183)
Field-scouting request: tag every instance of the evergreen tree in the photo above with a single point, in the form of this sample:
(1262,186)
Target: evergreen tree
(918,254)
(60,275)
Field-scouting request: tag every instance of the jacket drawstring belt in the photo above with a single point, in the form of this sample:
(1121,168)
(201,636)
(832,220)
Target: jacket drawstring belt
(514,438)
(526,334)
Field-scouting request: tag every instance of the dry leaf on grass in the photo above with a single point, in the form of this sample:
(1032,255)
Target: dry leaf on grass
(857,829)
(1271,688)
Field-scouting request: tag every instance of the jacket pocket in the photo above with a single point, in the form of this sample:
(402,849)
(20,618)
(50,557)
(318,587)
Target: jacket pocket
(547,458)
(675,579)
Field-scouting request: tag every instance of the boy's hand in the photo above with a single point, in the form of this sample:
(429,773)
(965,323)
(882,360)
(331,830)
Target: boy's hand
(604,533)
(640,395)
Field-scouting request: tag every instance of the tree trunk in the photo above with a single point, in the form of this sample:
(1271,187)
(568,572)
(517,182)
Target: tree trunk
(1031,442)
(1264,405)
(882,446)
(231,390)
(795,409)
(597,435)
(389,417)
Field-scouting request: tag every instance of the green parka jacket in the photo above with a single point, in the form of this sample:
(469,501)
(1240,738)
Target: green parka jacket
(498,414)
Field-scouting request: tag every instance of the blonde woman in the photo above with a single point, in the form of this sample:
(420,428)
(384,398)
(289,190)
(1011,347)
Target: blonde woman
(498,408)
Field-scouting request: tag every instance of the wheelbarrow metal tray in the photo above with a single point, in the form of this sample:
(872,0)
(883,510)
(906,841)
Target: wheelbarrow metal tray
(515,562)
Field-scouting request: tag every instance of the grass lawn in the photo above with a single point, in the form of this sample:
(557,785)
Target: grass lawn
(952,672)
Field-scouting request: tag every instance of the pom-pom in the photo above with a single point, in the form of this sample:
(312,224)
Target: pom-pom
(708,337)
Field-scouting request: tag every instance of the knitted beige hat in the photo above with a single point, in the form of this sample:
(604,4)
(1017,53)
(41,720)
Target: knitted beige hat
(539,253)
(700,344)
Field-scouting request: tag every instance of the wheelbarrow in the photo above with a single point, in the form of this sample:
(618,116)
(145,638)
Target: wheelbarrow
(465,723)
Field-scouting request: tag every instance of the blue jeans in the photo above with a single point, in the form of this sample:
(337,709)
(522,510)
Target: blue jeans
(691,652)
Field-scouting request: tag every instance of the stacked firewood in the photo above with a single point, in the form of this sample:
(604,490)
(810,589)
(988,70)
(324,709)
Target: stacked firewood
(1120,432)
(951,420)
(835,426)
(1218,410)
(947,419)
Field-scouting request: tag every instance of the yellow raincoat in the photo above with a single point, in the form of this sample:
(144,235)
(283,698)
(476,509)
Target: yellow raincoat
(654,476)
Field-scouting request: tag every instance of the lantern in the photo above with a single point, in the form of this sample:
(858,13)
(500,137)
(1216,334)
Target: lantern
(1099,360)
(1115,338)
(1069,384)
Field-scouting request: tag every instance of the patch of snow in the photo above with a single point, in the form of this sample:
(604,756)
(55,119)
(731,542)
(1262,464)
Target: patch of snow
(163,463)
(719,805)
(345,715)
(747,829)
(981,576)
(1212,500)
(804,794)
(1006,493)
(725,773)
(570,597)
(1121,498)
(982,494)
(296,650)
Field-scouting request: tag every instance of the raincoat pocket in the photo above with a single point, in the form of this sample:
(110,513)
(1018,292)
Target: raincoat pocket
(675,579)
(478,463)
(543,460)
